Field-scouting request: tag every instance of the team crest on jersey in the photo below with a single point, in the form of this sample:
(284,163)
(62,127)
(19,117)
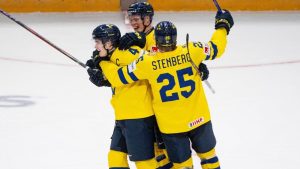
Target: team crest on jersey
(206,49)
(196,122)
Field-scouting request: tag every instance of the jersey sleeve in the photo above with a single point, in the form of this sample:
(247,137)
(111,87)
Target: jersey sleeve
(119,76)
(217,44)
(209,51)
(150,41)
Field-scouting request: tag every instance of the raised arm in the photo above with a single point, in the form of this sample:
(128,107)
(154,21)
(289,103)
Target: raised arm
(218,42)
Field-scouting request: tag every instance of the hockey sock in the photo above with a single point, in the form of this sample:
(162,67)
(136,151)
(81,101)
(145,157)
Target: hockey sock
(188,164)
(146,164)
(117,160)
(162,158)
(209,160)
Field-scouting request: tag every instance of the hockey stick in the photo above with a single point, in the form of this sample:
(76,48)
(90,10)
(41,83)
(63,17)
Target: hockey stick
(43,39)
(196,67)
(217,5)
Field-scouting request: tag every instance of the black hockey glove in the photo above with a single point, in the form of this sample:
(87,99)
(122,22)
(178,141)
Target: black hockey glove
(224,20)
(99,59)
(95,54)
(97,78)
(91,62)
(204,71)
(95,61)
(132,39)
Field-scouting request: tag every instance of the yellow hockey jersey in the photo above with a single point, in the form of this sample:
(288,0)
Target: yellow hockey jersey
(131,101)
(150,41)
(179,101)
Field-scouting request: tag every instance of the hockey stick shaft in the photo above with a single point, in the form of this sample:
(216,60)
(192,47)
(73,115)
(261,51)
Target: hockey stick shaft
(196,67)
(209,86)
(217,5)
(43,39)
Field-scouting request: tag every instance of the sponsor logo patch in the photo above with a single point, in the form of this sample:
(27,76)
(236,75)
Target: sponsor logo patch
(206,49)
(153,50)
(196,122)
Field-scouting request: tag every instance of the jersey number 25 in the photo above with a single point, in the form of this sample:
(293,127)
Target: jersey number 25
(182,83)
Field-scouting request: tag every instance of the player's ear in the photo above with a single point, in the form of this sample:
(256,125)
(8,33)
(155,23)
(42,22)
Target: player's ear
(108,45)
(147,20)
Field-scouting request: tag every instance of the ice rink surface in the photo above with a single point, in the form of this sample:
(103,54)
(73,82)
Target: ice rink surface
(52,117)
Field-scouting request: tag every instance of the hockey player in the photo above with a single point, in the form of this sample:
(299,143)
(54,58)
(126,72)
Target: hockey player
(179,101)
(141,17)
(134,132)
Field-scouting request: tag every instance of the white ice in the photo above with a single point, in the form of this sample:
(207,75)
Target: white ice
(68,122)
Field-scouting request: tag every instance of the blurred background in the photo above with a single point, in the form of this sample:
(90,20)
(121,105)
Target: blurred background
(159,5)
(53,117)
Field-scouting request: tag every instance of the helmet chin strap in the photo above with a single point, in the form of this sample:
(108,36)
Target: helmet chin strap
(145,26)
(109,52)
